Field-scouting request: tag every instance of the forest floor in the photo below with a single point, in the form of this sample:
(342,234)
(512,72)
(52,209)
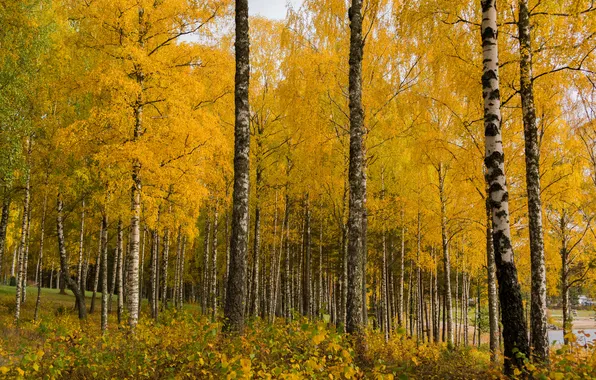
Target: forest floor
(188,345)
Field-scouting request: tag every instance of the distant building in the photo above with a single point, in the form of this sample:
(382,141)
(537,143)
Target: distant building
(583,300)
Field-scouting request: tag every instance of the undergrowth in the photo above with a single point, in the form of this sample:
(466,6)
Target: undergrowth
(189,345)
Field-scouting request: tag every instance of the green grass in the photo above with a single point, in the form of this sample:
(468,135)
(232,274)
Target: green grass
(47,294)
(558,313)
(52,300)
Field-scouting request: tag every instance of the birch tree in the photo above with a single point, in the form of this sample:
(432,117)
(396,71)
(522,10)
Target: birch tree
(72,284)
(21,247)
(356,173)
(104,271)
(514,327)
(234,308)
(40,266)
(539,336)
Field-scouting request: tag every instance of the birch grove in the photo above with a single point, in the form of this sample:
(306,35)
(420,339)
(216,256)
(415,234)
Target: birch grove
(408,169)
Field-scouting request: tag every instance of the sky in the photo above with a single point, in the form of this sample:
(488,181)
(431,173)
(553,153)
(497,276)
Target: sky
(273,9)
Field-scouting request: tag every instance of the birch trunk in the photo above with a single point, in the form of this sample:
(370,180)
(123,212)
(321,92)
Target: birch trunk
(384,303)
(464,301)
(391,283)
(274,268)
(278,302)
(307,305)
(419,332)
(400,281)
(72,284)
(141,272)
(320,280)
(287,308)
(344,264)
(514,327)
(81,243)
(364,240)
(40,266)
(206,257)
(376,304)
(97,271)
(181,293)
(538,329)
(446,260)
(443,318)
(564,252)
(235,297)
(154,274)
(113,289)
(478,309)
(298,271)
(21,247)
(227,270)
(493,316)
(3,228)
(457,319)
(263,292)
(437,308)
(427,324)
(410,302)
(26,258)
(104,271)
(475,341)
(164,269)
(356,233)
(254,294)
(133,296)
(85,275)
(213,289)
(120,272)
(135,190)
(177,271)
(431,307)
(60,284)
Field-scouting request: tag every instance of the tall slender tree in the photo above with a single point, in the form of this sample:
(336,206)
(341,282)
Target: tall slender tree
(21,247)
(442,173)
(235,297)
(72,284)
(354,320)
(400,280)
(493,312)
(164,269)
(104,272)
(539,338)
(307,273)
(120,271)
(135,189)
(514,325)
(97,270)
(3,227)
(40,266)
(81,243)
(213,282)
(206,261)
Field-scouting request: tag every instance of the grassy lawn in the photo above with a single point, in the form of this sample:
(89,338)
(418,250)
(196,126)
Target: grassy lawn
(52,300)
(558,313)
(47,294)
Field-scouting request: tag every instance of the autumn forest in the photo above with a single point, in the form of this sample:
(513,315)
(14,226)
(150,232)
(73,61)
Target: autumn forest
(363,189)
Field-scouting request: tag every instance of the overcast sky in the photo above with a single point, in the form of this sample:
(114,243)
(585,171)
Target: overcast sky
(273,9)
